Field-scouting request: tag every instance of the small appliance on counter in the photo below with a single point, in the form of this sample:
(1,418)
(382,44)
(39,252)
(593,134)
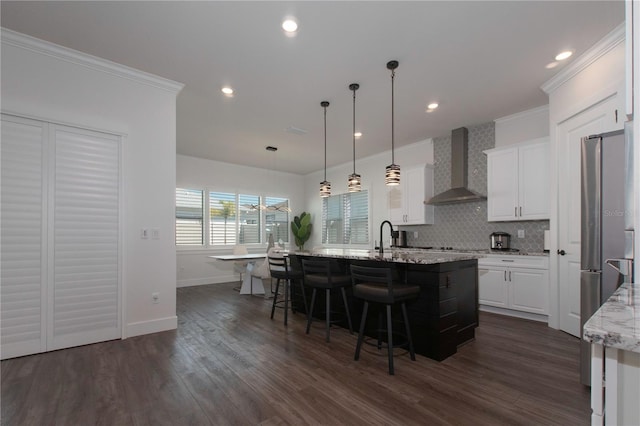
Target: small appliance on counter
(500,241)
(399,239)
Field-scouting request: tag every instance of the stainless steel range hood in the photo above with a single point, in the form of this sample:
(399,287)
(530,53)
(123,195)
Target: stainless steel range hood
(459,193)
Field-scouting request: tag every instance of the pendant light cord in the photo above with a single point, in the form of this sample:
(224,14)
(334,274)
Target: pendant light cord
(354,131)
(325,143)
(393,75)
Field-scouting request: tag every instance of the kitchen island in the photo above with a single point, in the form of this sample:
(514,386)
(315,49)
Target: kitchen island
(446,313)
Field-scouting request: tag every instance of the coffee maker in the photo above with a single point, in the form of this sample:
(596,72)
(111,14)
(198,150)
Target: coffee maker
(399,239)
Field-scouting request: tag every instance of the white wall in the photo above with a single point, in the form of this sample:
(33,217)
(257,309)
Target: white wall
(193,266)
(372,171)
(59,85)
(523,126)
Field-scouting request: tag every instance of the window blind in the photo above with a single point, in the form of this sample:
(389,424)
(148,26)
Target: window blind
(189,212)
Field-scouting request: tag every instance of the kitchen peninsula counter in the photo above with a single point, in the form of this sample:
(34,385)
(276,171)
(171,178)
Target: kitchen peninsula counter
(614,333)
(446,313)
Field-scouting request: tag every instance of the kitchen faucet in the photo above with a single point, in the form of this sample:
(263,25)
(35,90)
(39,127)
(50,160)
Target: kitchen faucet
(381,250)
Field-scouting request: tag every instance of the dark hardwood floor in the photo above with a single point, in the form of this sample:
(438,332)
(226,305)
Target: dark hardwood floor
(228,363)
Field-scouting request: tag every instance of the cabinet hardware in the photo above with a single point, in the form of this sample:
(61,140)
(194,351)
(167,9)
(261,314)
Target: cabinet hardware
(505,274)
(509,275)
(562,252)
(520,211)
(508,260)
(515,211)
(448,281)
(616,116)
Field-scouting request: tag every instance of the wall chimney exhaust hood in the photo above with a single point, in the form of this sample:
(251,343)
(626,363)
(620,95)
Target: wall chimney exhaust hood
(459,193)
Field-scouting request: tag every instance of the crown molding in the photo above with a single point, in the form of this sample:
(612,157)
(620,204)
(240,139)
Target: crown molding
(23,41)
(522,114)
(594,53)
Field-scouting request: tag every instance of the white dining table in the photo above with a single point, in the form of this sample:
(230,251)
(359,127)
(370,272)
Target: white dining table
(248,287)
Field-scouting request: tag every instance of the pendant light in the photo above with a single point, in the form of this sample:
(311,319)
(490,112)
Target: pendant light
(325,187)
(355,184)
(392,174)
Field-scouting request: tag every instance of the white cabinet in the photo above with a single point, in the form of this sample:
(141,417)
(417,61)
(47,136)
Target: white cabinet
(517,283)
(518,182)
(406,201)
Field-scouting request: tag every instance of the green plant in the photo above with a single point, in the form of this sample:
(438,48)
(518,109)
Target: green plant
(301,228)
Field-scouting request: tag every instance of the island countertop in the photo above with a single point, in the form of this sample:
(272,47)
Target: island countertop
(395,256)
(617,323)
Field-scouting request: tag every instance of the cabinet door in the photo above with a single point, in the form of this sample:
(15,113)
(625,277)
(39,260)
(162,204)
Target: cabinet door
(492,287)
(533,182)
(528,290)
(414,184)
(502,185)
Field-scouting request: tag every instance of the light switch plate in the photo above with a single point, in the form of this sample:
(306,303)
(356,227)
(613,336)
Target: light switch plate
(520,233)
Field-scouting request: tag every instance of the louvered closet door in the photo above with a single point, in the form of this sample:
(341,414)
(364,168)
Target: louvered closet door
(83,241)
(22,236)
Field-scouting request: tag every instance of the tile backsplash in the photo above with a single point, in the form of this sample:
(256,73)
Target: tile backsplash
(465,225)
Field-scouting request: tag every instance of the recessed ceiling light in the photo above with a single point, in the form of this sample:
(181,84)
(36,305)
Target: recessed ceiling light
(290,25)
(227,90)
(552,65)
(357,134)
(563,55)
(432,105)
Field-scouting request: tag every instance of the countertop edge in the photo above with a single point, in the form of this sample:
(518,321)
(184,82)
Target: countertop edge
(617,323)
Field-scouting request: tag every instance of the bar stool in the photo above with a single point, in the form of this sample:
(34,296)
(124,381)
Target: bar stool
(318,275)
(376,285)
(280,269)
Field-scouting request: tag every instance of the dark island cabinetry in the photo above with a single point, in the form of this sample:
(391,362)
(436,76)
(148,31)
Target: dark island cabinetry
(446,313)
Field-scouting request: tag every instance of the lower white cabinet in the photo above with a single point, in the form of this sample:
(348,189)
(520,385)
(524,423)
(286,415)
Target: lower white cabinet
(517,283)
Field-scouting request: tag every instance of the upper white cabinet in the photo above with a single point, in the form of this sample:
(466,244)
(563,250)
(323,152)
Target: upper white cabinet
(406,201)
(518,182)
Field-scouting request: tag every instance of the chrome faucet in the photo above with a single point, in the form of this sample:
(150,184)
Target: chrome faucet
(381,250)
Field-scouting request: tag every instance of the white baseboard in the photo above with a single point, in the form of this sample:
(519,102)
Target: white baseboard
(208,280)
(153,326)
(512,313)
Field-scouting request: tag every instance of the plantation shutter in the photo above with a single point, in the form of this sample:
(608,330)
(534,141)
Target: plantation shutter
(23,263)
(345,218)
(84,238)
(222,218)
(189,212)
(249,219)
(357,206)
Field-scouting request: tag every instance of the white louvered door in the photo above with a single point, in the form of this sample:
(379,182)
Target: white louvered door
(23,238)
(83,241)
(60,237)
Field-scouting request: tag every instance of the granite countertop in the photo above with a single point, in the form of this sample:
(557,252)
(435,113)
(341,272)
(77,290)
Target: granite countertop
(617,323)
(395,256)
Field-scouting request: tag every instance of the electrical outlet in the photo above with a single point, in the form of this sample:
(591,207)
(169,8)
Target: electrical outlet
(155,233)
(155,297)
(415,234)
(520,233)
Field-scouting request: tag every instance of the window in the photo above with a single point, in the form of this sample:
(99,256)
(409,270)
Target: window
(189,214)
(345,218)
(233,218)
(276,217)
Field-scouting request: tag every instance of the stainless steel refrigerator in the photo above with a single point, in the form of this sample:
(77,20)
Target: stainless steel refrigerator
(607,225)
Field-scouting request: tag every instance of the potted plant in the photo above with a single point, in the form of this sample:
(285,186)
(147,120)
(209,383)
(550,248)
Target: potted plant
(301,228)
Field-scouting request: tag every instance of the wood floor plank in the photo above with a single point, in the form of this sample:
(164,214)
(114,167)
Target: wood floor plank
(228,364)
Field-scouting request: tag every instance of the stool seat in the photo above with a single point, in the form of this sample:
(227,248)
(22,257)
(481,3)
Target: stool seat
(318,275)
(321,281)
(375,292)
(376,285)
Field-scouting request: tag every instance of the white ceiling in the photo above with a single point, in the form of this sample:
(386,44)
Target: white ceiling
(479,60)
